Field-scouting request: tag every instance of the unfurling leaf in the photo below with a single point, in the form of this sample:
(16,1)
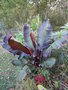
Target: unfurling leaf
(32,35)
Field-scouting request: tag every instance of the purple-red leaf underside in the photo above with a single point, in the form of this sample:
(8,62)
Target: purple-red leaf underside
(32,35)
(18,46)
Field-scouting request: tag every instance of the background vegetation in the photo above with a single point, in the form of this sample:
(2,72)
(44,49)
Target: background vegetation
(13,15)
(14,12)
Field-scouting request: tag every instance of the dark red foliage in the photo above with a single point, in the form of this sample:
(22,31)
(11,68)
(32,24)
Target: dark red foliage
(40,79)
(32,35)
(18,46)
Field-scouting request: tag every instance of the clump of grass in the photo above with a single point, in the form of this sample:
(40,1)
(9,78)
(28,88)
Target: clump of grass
(28,84)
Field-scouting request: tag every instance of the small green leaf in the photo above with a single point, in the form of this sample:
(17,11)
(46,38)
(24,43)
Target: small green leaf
(60,34)
(46,74)
(49,63)
(16,62)
(23,73)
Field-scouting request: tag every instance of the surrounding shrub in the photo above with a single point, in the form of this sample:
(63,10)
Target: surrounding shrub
(27,84)
(57,19)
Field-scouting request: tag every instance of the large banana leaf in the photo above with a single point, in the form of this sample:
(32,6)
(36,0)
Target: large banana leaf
(27,38)
(44,34)
(14,46)
(55,45)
